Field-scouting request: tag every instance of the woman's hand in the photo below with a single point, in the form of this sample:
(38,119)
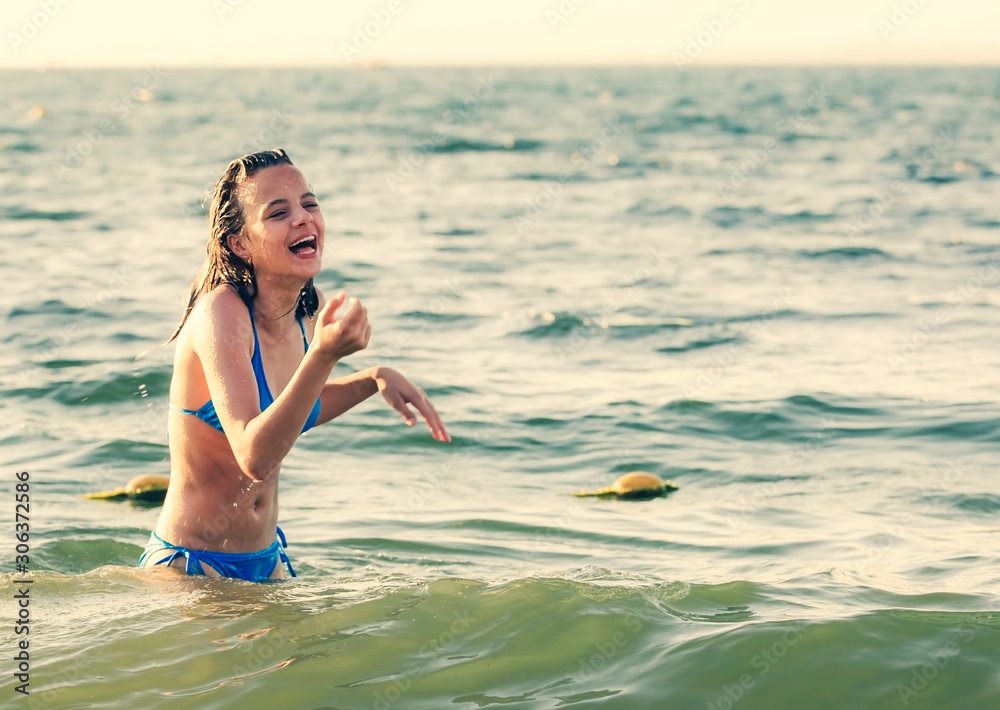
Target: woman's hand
(339,338)
(399,392)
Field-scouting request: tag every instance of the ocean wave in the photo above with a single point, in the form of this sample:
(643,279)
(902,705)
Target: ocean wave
(459,145)
(20,147)
(556,325)
(651,208)
(792,419)
(729,217)
(987,503)
(116,388)
(27,213)
(528,642)
(458,232)
(847,253)
(701,344)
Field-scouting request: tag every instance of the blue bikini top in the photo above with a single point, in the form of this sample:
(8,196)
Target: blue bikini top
(207,412)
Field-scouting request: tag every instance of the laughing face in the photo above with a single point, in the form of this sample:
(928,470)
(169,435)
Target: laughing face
(284,229)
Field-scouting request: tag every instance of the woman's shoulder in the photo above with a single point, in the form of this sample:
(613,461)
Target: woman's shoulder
(221,310)
(222,298)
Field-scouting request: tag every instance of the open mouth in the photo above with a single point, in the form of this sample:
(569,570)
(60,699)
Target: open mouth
(304,247)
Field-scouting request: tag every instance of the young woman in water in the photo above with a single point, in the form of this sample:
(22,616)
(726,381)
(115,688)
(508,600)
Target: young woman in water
(255,347)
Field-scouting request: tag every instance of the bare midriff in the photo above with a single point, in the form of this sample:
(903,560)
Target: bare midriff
(211,504)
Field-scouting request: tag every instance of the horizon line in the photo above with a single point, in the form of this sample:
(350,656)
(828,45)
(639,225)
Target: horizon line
(993,64)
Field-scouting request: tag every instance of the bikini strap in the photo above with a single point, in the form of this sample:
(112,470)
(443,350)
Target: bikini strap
(303,329)
(256,340)
(191,566)
(282,555)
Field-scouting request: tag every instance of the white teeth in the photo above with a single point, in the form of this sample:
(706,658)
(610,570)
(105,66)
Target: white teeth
(304,239)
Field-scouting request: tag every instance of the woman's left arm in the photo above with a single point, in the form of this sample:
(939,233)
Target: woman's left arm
(343,393)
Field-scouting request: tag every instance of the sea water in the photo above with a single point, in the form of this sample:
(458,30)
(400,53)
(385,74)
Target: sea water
(776,287)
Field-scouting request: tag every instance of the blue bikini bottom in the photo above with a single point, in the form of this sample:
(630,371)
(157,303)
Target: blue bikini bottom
(251,566)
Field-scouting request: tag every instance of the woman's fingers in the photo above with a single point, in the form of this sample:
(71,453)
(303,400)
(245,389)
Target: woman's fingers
(356,325)
(328,314)
(400,406)
(354,310)
(426,409)
(349,333)
(434,423)
(431,416)
(399,393)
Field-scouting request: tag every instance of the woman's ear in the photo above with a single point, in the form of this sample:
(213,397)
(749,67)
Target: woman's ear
(237,245)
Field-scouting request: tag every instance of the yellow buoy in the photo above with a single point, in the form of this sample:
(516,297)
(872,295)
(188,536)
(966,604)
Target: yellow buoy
(637,485)
(149,487)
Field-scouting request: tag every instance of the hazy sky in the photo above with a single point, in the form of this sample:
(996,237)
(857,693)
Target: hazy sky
(319,33)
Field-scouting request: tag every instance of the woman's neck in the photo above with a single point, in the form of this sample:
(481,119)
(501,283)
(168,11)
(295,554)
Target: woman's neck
(275,307)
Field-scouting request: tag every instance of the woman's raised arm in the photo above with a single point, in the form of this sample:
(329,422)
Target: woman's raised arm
(261,440)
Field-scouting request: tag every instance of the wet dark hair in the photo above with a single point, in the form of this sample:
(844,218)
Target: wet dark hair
(226,217)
